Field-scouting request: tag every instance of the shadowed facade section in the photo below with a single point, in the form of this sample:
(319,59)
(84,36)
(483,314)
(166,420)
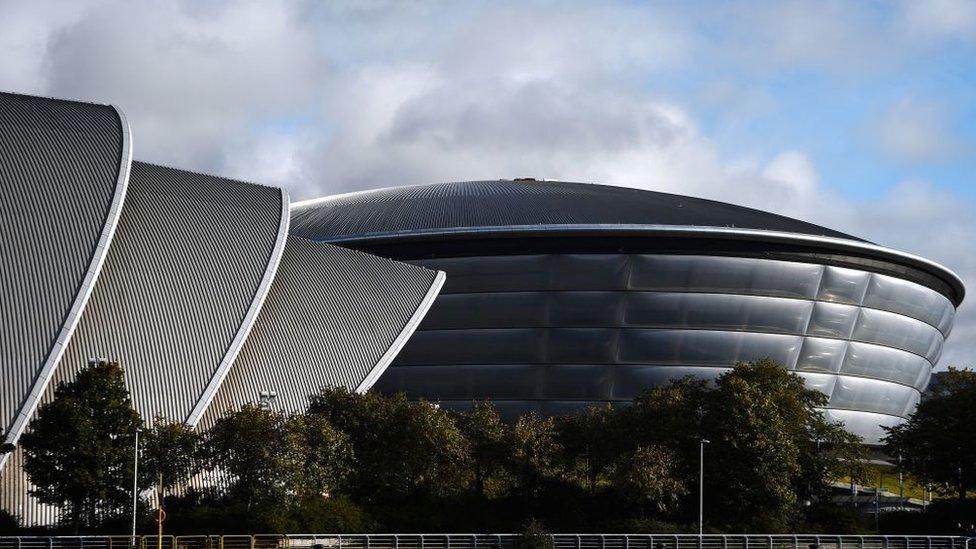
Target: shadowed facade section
(333,318)
(63,171)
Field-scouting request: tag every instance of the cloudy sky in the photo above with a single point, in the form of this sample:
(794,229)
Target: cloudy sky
(856,115)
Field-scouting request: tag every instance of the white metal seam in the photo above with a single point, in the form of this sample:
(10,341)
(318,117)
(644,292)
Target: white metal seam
(249,318)
(84,293)
(408,330)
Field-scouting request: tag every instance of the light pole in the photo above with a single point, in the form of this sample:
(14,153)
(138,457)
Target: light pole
(701,484)
(135,486)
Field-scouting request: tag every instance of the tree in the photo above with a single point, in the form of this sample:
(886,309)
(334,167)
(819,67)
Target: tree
(78,451)
(593,439)
(534,452)
(761,421)
(326,454)
(401,448)
(170,454)
(648,478)
(253,448)
(487,436)
(938,442)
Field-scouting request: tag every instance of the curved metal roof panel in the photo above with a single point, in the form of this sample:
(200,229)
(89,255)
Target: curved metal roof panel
(523,208)
(504,203)
(63,172)
(334,317)
(182,284)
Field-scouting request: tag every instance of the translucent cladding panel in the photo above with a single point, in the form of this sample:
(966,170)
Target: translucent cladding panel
(737,275)
(582,345)
(716,312)
(701,347)
(821,382)
(866,425)
(832,320)
(487,310)
(898,331)
(586,308)
(840,285)
(494,346)
(473,382)
(907,298)
(632,380)
(492,273)
(590,271)
(821,355)
(872,395)
(577,381)
(864,359)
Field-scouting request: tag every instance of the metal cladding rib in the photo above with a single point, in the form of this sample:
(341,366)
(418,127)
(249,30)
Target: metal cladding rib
(333,317)
(189,268)
(64,168)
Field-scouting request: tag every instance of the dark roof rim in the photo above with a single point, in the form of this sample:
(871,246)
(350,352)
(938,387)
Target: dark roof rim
(677,231)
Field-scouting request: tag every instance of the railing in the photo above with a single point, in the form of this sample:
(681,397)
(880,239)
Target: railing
(489,541)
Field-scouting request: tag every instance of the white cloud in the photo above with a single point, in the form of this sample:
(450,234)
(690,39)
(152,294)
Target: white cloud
(914,131)
(940,18)
(325,98)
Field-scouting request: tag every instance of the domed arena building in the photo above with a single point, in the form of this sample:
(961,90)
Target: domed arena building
(560,295)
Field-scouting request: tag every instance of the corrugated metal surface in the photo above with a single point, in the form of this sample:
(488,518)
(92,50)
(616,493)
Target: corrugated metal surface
(60,166)
(188,259)
(507,203)
(191,263)
(332,316)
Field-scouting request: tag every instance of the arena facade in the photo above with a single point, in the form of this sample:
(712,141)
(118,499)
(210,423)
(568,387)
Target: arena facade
(560,295)
(211,291)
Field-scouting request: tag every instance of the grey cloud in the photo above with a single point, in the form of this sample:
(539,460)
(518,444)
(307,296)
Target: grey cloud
(326,97)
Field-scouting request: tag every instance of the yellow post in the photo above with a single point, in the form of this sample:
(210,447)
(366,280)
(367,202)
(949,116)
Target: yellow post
(160,514)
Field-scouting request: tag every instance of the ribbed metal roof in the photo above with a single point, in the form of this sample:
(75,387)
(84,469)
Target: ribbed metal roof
(527,207)
(333,318)
(506,203)
(63,172)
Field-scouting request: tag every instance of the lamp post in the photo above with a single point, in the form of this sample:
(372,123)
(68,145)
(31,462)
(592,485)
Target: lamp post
(135,486)
(701,485)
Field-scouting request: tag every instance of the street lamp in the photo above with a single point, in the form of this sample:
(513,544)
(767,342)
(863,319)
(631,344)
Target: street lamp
(135,486)
(701,484)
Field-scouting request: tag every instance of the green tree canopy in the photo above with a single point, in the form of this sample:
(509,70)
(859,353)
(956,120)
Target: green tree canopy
(648,477)
(592,440)
(487,437)
(534,450)
(938,442)
(402,448)
(78,452)
(170,454)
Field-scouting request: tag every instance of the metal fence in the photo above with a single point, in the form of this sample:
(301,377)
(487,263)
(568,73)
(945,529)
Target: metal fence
(488,541)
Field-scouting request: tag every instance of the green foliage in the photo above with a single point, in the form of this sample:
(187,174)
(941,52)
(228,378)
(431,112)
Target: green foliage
(938,442)
(487,437)
(170,454)
(592,440)
(535,536)
(534,453)
(402,448)
(367,462)
(78,452)
(252,447)
(648,478)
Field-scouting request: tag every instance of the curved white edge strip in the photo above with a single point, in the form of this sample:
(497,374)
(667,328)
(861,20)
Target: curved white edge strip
(669,230)
(252,314)
(408,330)
(84,292)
